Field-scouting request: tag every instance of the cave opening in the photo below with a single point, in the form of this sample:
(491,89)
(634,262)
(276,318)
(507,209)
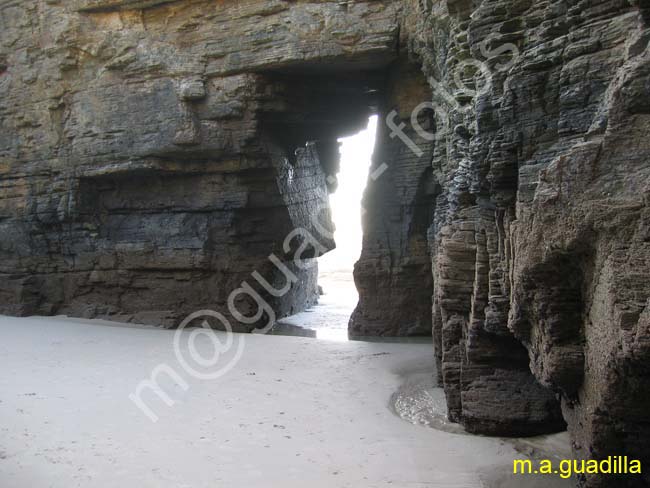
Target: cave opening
(339,294)
(330,124)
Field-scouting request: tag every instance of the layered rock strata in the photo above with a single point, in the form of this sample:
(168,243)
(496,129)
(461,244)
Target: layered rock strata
(155,153)
(539,242)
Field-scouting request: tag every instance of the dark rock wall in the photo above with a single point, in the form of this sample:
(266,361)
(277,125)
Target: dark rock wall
(152,158)
(393,274)
(540,232)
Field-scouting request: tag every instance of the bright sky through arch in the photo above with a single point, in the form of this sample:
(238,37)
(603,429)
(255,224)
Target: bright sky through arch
(356,153)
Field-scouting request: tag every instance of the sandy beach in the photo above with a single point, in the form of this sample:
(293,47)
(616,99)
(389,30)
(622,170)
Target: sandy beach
(291,412)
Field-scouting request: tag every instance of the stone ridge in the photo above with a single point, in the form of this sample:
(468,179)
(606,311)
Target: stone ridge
(110,5)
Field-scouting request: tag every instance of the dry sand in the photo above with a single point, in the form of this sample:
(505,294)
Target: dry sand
(292,412)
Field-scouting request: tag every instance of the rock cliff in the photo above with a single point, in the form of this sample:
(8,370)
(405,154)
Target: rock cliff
(539,241)
(155,153)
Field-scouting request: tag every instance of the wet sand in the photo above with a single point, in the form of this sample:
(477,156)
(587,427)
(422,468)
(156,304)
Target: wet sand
(329,319)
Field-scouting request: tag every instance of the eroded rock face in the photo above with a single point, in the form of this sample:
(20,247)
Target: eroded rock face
(540,232)
(154,153)
(393,274)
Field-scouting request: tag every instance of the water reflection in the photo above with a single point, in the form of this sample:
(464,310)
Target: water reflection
(421,402)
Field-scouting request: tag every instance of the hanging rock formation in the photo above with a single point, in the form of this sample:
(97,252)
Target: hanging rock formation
(155,153)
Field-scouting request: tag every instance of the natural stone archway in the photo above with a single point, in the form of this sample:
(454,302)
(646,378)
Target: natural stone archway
(154,153)
(167,161)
